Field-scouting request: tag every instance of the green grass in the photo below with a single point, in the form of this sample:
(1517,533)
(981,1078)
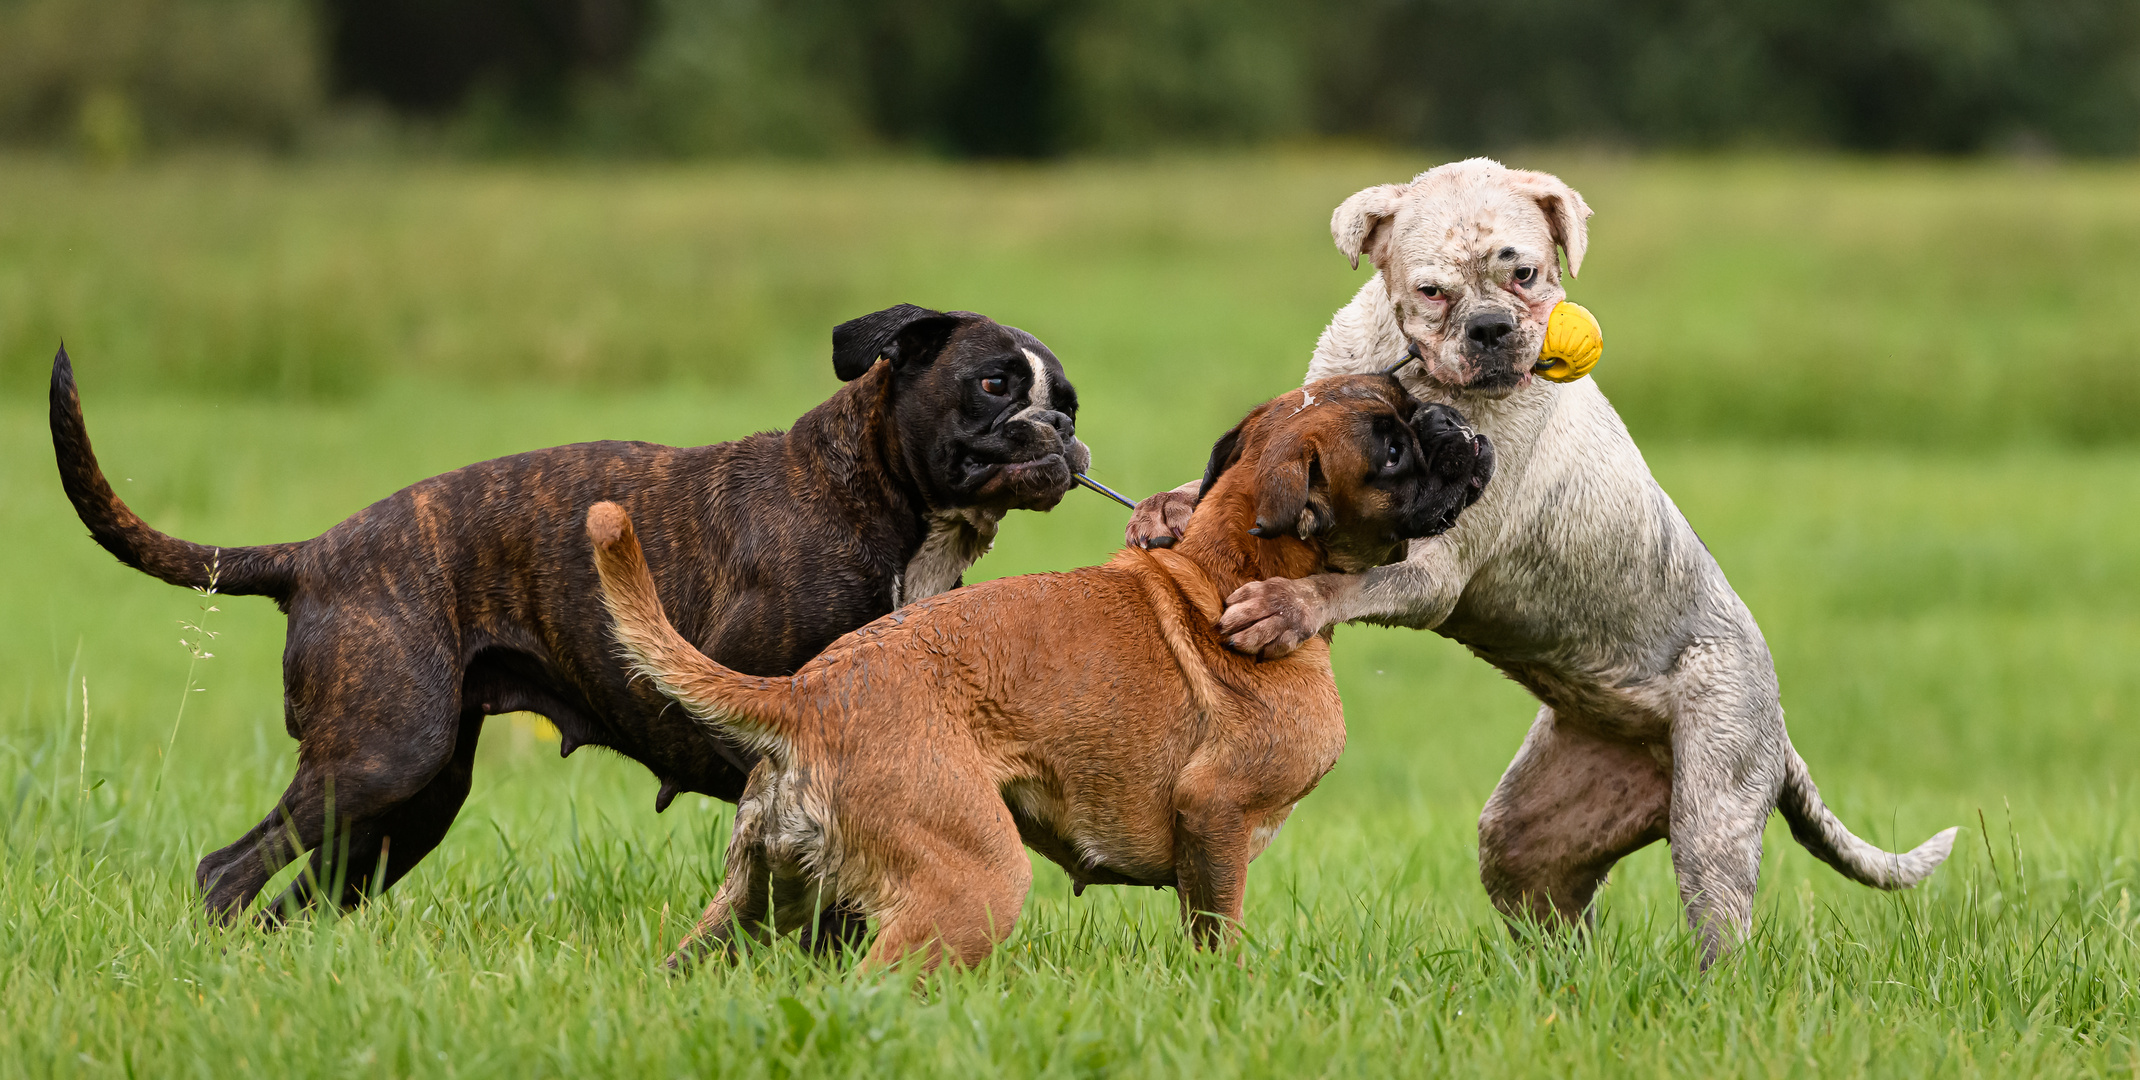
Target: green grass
(1953,613)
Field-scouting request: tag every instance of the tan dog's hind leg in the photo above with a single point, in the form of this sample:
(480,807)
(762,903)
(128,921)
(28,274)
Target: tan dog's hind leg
(1570,806)
(742,902)
(959,907)
(746,895)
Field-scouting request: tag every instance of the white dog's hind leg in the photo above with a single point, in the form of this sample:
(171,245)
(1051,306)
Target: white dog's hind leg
(1726,771)
(1570,806)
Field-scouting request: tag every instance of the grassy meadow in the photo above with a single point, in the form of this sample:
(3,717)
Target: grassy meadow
(1897,401)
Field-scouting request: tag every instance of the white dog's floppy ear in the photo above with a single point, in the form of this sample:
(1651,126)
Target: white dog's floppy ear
(1357,221)
(1565,211)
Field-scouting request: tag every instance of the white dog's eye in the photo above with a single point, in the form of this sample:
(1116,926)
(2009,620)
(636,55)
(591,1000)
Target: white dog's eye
(995,385)
(1431,292)
(1524,274)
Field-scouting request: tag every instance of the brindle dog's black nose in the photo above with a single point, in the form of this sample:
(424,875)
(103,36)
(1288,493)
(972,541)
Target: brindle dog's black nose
(1059,421)
(1487,330)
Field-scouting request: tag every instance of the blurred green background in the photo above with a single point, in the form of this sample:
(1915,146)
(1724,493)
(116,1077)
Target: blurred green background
(1931,303)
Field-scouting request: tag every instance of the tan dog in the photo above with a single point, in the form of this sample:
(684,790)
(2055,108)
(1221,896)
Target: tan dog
(1094,715)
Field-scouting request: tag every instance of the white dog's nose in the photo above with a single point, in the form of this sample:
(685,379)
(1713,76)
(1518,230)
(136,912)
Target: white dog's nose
(1486,330)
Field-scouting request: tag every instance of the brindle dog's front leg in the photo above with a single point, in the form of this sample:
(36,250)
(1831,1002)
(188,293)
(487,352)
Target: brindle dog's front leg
(1210,868)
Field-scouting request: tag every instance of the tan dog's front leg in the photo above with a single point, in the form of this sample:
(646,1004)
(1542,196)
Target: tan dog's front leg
(1271,618)
(1211,869)
(1160,519)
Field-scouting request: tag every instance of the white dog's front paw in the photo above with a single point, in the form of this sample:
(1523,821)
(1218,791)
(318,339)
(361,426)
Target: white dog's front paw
(1268,619)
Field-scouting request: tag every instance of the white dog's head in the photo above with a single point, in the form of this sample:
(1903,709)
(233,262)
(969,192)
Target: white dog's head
(1467,253)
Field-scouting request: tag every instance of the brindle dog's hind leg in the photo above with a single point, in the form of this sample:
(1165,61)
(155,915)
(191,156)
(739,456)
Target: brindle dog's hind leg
(402,834)
(840,929)
(1570,806)
(376,709)
(231,877)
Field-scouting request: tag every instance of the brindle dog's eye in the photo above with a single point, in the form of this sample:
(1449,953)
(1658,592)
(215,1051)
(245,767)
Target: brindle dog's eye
(995,385)
(1524,274)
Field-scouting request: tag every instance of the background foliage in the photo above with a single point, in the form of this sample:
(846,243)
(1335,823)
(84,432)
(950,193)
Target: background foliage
(1028,78)
(1756,298)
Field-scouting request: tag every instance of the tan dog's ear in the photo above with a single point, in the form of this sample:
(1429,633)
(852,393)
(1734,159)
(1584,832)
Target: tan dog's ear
(1360,223)
(1289,500)
(1565,211)
(1225,453)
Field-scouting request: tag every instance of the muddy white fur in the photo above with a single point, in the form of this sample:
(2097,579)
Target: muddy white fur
(1575,574)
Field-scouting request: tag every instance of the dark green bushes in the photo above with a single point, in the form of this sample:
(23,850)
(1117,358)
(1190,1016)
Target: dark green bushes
(118,76)
(1024,78)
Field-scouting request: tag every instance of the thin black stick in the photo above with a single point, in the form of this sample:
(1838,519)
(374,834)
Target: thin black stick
(1104,490)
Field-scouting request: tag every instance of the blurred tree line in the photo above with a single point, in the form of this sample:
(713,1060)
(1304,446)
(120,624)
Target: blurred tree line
(1027,78)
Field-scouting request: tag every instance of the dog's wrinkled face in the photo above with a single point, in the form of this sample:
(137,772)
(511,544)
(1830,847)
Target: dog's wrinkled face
(1466,251)
(1358,466)
(985,416)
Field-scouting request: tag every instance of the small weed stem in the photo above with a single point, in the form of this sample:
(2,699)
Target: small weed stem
(196,640)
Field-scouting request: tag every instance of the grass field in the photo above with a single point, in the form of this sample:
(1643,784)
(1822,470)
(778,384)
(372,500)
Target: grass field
(1896,400)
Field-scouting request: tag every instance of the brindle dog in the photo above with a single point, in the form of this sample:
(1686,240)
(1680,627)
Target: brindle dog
(472,593)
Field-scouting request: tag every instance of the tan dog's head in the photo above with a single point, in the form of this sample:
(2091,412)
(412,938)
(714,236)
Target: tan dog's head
(1467,253)
(1353,465)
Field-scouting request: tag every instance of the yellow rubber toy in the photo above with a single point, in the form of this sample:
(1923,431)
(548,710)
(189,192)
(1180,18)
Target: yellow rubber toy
(1574,341)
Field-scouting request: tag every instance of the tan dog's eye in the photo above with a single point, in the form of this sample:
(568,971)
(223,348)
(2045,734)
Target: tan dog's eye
(1431,292)
(995,385)
(1524,274)
(1394,457)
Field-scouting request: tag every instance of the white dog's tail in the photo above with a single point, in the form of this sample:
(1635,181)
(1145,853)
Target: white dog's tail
(1813,825)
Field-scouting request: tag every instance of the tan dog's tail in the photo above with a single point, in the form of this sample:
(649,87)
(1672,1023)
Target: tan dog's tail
(1816,827)
(266,570)
(749,708)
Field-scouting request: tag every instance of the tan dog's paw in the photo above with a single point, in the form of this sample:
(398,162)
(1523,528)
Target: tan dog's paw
(1159,520)
(1269,619)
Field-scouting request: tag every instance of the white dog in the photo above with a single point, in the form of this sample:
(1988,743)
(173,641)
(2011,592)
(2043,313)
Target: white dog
(1575,574)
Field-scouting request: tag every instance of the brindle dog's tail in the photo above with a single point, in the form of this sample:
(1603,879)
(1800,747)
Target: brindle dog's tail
(757,711)
(1815,826)
(268,570)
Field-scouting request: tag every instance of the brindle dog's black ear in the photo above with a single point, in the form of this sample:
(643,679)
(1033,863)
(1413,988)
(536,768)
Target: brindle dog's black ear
(904,335)
(1286,503)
